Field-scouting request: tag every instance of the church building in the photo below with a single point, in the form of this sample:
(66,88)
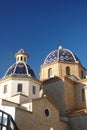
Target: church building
(58,101)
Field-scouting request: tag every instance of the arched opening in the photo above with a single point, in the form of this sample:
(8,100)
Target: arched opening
(67,70)
(83,94)
(21,58)
(50,73)
(82,75)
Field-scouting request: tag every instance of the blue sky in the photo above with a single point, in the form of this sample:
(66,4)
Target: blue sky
(37,25)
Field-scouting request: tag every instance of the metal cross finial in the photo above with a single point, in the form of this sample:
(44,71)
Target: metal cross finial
(60,41)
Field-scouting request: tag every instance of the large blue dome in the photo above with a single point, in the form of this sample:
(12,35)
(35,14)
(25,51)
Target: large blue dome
(20,68)
(62,55)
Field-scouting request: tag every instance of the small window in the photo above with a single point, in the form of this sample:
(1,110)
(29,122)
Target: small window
(83,94)
(24,59)
(82,75)
(21,58)
(50,73)
(47,112)
(5,88)
(34,90)
(19,88)
(67,70)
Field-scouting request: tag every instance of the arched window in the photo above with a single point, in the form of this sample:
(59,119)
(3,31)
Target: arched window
(82,75)
(67,70)
(50,73)
(83,94)
(24,59)
(21,58)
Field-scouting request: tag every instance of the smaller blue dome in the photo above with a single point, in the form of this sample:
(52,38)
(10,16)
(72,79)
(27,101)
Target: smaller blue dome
(62,55)
(20,68)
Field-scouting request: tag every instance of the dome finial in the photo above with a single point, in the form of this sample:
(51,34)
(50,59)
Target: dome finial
(60,42)
(60,47)
(21,51)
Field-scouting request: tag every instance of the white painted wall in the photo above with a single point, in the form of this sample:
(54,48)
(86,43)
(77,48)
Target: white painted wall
(12,88)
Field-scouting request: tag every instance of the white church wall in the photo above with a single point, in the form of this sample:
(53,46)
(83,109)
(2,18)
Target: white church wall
(6,94)
(28,106)
(24,83)
(8,109)
(31,93)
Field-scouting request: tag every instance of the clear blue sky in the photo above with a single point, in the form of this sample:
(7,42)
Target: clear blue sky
(37,25)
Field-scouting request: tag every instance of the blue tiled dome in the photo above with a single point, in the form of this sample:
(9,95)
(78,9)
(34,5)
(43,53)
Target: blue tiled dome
(20,68)
(62,55)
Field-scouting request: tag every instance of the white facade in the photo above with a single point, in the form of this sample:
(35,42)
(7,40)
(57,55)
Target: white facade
(19,83)
(12,88)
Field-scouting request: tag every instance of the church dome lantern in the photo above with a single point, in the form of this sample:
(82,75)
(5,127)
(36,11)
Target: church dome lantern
(21,56)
